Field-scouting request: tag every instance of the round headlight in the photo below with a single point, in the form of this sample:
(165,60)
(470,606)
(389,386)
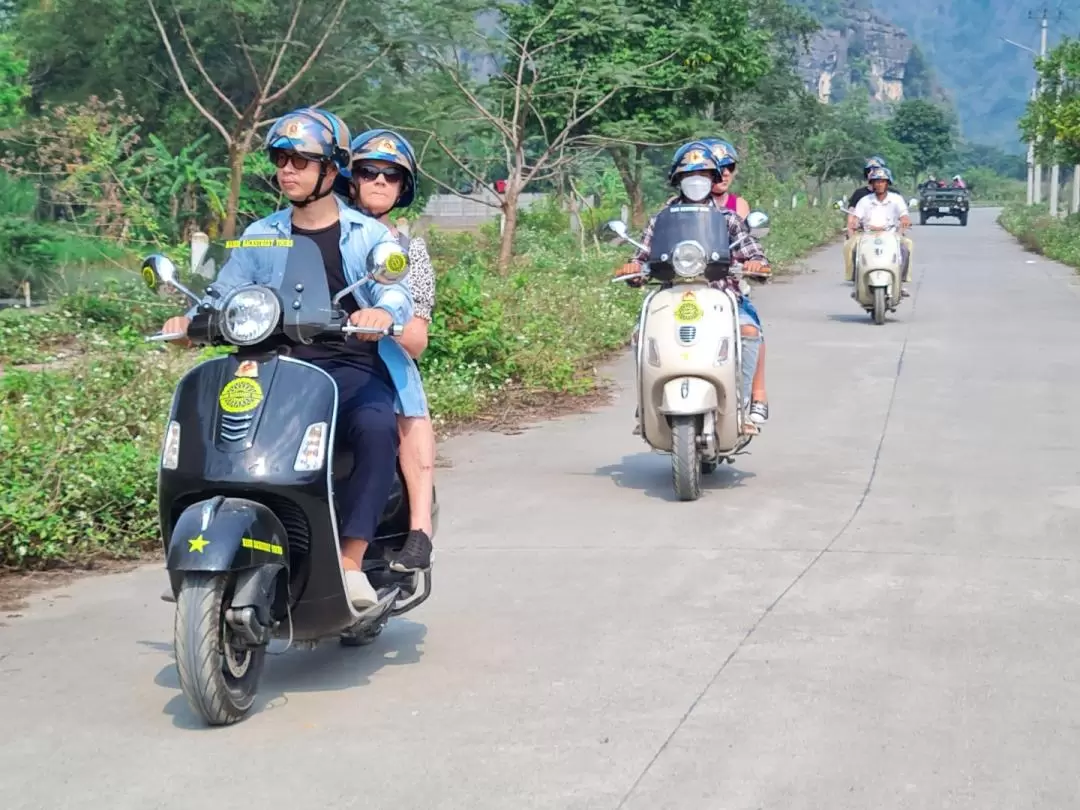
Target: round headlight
(250,315)
(688,259)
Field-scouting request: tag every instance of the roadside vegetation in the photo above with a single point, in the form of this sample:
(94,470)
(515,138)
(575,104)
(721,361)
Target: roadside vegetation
(100,166)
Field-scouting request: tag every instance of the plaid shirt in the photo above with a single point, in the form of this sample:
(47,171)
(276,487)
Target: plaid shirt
(748,250)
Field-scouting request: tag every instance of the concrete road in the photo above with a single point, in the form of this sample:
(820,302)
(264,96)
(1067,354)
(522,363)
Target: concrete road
(878,608)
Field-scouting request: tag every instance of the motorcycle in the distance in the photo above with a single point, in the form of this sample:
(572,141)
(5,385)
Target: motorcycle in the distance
(878,268)
(246,481)
(689,350)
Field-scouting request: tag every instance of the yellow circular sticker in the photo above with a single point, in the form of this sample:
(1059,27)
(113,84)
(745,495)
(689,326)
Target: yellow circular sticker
(149,278)
(240,395)
(396,264)
(689,312)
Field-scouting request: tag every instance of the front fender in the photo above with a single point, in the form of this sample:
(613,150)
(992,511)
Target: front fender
(688,396)
(226,534)
(879,278)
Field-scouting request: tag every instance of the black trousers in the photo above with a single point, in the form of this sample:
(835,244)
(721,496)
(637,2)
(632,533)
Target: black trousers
(368,425)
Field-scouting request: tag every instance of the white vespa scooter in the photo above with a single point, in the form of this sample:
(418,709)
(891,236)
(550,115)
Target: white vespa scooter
(878,266)
(689,352)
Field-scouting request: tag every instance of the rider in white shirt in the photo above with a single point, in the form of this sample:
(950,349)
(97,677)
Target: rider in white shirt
(884,210)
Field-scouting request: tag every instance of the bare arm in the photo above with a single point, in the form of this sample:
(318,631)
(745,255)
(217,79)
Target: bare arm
(414,339)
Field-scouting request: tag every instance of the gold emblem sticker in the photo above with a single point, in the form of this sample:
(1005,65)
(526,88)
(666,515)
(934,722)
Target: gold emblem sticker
(240,395)
(689,311)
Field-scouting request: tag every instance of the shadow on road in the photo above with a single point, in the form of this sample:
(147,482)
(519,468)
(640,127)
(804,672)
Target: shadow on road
(651,473)
(851,317)
(329,667)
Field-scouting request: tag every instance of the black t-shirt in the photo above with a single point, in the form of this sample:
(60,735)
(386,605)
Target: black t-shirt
(858,195)
(353,351)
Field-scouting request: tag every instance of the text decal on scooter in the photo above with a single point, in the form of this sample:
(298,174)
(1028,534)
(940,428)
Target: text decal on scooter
(232,244)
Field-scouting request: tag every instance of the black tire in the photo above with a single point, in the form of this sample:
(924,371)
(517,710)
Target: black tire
(218,684)
(879,305)
(963,220)
(685,458)
(923,219)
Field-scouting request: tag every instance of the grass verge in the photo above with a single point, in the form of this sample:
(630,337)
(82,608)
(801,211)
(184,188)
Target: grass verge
(1055,238)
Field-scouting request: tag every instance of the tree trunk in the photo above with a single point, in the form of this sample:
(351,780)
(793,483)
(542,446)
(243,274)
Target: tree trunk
(510,212)
(238,150)
(626,162)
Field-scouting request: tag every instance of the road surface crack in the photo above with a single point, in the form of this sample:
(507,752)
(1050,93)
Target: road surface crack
(798,577)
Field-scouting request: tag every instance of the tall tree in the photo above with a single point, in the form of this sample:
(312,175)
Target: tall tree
(1053,118)
(270,77)
(702,53)
(926,129)
(537,109)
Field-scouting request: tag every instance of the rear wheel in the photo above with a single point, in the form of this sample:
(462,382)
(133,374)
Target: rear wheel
(879,305)
(685,458)
(219,678)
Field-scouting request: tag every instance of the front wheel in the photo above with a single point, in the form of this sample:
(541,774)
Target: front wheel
(685,458)
(963,220)
(879,305)
(219,678)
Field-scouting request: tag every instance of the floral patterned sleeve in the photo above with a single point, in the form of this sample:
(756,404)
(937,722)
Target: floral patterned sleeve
(421,279)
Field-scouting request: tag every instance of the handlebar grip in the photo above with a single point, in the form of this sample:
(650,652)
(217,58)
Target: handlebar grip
(396,330)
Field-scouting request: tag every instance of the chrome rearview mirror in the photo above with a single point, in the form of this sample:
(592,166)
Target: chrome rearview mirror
(160,267)
(758,222)
(388,263)
(618,227)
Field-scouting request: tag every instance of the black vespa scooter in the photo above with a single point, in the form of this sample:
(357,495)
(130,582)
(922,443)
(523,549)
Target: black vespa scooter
(246,481)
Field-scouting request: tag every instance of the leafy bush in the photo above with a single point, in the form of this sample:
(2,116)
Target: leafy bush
(1058,239)
(78,457)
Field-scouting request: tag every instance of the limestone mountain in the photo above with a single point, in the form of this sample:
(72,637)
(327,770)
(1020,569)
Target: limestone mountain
(936,49)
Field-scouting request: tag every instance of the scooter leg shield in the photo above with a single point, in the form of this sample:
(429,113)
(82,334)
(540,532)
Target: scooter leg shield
(686,396)
(226,534)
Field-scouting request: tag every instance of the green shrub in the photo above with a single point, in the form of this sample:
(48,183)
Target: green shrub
(78,457)
(1058,239)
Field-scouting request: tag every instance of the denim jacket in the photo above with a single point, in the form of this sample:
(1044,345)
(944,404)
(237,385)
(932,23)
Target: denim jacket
(359,234)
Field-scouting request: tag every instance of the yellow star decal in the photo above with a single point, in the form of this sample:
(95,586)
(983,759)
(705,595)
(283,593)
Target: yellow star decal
(198,544)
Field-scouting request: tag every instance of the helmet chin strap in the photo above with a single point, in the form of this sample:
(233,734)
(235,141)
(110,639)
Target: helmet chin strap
(319,192)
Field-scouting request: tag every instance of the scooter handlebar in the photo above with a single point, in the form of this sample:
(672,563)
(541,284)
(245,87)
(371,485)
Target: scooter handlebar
(164,336)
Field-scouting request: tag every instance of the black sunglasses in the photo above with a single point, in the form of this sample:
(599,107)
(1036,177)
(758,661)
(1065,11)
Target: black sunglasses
(391,173)
(281,158)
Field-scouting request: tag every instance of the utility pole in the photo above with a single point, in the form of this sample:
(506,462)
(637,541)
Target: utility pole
(1037,197)
(1055,169)
(1031,157)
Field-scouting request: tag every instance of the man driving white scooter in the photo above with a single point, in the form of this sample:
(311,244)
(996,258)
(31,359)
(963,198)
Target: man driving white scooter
(884,210)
